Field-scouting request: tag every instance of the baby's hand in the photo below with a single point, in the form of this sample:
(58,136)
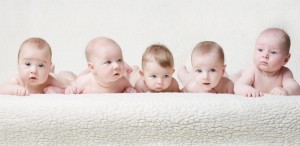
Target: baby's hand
(21,91)
(279,91)
(54,90)
(253,93)
(130,90)
(72,90)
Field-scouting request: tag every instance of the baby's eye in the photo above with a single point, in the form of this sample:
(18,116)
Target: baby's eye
(260,50)
(273,52)
(213,70)
(27,64)
(199,71)
(153,76)
(107,62)
(41,65)
(166,76)
(120,60)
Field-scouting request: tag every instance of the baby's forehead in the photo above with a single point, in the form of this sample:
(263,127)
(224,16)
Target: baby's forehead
(277,36)
(34,48)
(274,38)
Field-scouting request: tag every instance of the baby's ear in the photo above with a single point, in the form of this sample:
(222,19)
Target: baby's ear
(224,67)
(287,58)
(141,73)
(224,72)
(91,67)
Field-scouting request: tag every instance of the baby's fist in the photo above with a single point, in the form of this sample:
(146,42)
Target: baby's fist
(130,90)
(71,90)
(279,91)
(21,91)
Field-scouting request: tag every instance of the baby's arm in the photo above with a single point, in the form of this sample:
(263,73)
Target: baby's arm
(289,85)
(56,85)
(77,86)
(128,87)
(140,85)
(229,86)
(13,87)
(184,76)
(243,86)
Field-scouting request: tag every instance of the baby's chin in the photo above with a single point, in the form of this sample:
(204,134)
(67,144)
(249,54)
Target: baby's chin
(157,89)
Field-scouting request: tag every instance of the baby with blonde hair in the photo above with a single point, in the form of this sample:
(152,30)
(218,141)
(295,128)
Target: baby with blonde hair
(157,71)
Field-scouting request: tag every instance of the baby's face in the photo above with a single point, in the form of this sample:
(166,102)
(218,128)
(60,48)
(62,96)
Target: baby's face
(34,65)
(156,77)
(208,70)
(108,64)
(269,53)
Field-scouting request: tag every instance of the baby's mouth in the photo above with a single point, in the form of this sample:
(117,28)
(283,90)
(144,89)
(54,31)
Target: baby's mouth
(116,74)
(263,63)
(32,78)
(206,84)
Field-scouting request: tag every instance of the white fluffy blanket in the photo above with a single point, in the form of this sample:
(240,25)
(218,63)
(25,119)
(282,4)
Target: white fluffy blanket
(150,118)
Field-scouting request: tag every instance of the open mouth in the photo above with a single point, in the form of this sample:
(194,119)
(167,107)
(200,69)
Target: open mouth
(116,74)
(32,78)
(206,84)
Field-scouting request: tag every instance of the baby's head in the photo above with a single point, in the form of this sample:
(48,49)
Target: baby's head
(34,61)
(105,59)
(272,50)
(208,64)
(157,67)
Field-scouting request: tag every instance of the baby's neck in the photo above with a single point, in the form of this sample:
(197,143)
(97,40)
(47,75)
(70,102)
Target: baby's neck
(270,74)
(35,89)
(104,84)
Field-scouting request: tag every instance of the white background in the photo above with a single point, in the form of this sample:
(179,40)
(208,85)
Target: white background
(135,24)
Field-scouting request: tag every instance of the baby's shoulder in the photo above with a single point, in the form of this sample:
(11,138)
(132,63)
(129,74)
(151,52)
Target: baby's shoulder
(140,85)
(15,80)
(226,81)
(286,72)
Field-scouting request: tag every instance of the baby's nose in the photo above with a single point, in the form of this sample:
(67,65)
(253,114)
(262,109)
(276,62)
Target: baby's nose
(265,55)
(33,70)
(115,65)
(159,81)
(205,75)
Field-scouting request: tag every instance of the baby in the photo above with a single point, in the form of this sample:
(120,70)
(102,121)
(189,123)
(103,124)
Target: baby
(208,70)
(106,70)
(268,74)
(157,71)
(35,66)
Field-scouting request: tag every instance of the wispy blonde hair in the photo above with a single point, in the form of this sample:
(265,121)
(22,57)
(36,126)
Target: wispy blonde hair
(160,53)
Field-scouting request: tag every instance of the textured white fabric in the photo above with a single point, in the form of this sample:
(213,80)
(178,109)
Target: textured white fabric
(162,118)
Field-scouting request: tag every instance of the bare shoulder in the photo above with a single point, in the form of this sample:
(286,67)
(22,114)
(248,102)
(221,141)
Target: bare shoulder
(174,86)
(286,72)
(140,85)
(250,70)
(124,81)
(83,81)
(15,80)
(226,81)
(248,74)
(53,80)
(227,84)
